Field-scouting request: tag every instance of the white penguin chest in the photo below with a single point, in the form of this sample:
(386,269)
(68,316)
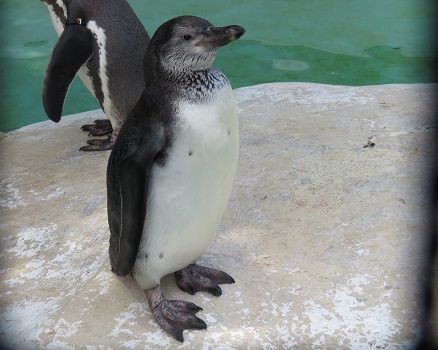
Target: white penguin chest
(188,196)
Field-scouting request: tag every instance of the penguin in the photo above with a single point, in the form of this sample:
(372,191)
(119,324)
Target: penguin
(170,173)
(104,43)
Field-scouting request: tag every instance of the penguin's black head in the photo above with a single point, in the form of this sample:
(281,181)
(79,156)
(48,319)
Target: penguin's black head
(190,43)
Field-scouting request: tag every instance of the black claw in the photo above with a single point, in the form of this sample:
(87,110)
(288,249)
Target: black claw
(191,290)
(216,291)
(197,323)
(178,335)
(194,307)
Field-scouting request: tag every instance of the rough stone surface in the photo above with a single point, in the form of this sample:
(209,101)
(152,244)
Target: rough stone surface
(321,234)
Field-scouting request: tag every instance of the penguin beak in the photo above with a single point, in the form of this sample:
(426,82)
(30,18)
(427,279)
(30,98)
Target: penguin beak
(221,36)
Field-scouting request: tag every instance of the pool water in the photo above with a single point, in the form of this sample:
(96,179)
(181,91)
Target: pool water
(350,42)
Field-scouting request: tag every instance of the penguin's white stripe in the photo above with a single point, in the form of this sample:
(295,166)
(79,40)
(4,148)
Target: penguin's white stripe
(59,28)
(100,36)
(62,6)
(188,195)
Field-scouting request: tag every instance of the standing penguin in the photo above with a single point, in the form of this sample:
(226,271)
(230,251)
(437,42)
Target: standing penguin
(170,174)
(104,42)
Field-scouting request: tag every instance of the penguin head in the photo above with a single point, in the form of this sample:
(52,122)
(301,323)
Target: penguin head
(189,43)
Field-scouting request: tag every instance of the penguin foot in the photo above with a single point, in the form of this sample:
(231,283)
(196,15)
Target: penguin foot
(195,278)
(98,145)
(99,142)
(100,132)
(174,316)
(102,121)
(100,127)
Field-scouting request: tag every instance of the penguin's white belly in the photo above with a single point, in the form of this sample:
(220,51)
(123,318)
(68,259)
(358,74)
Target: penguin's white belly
(188,195)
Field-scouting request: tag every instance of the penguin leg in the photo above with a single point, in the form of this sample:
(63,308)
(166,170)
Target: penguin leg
(195,278)
(174,316)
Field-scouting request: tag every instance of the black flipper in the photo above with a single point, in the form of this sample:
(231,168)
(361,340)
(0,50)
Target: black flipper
(74,48)
(128,171)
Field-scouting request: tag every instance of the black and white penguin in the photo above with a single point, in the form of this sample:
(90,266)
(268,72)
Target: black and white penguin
(171,170)
(104,42)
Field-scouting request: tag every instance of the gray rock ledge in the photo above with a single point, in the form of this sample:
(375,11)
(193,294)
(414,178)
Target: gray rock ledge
(322,235)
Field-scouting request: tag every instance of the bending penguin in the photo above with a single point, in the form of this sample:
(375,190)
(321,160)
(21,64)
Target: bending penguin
(104,42)
(171,170)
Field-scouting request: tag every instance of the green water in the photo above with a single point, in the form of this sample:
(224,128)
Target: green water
(350,42)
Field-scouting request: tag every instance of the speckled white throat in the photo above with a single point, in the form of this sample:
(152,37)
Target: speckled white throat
(188,196)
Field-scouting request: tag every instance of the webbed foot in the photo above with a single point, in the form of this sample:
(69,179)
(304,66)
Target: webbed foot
(174,316)
(100,127)
(195,278)
(98,144)
(102,121)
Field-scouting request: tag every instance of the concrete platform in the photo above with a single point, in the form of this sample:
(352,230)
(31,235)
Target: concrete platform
(321,234)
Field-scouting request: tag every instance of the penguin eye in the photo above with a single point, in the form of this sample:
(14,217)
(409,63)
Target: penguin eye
(187,37)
